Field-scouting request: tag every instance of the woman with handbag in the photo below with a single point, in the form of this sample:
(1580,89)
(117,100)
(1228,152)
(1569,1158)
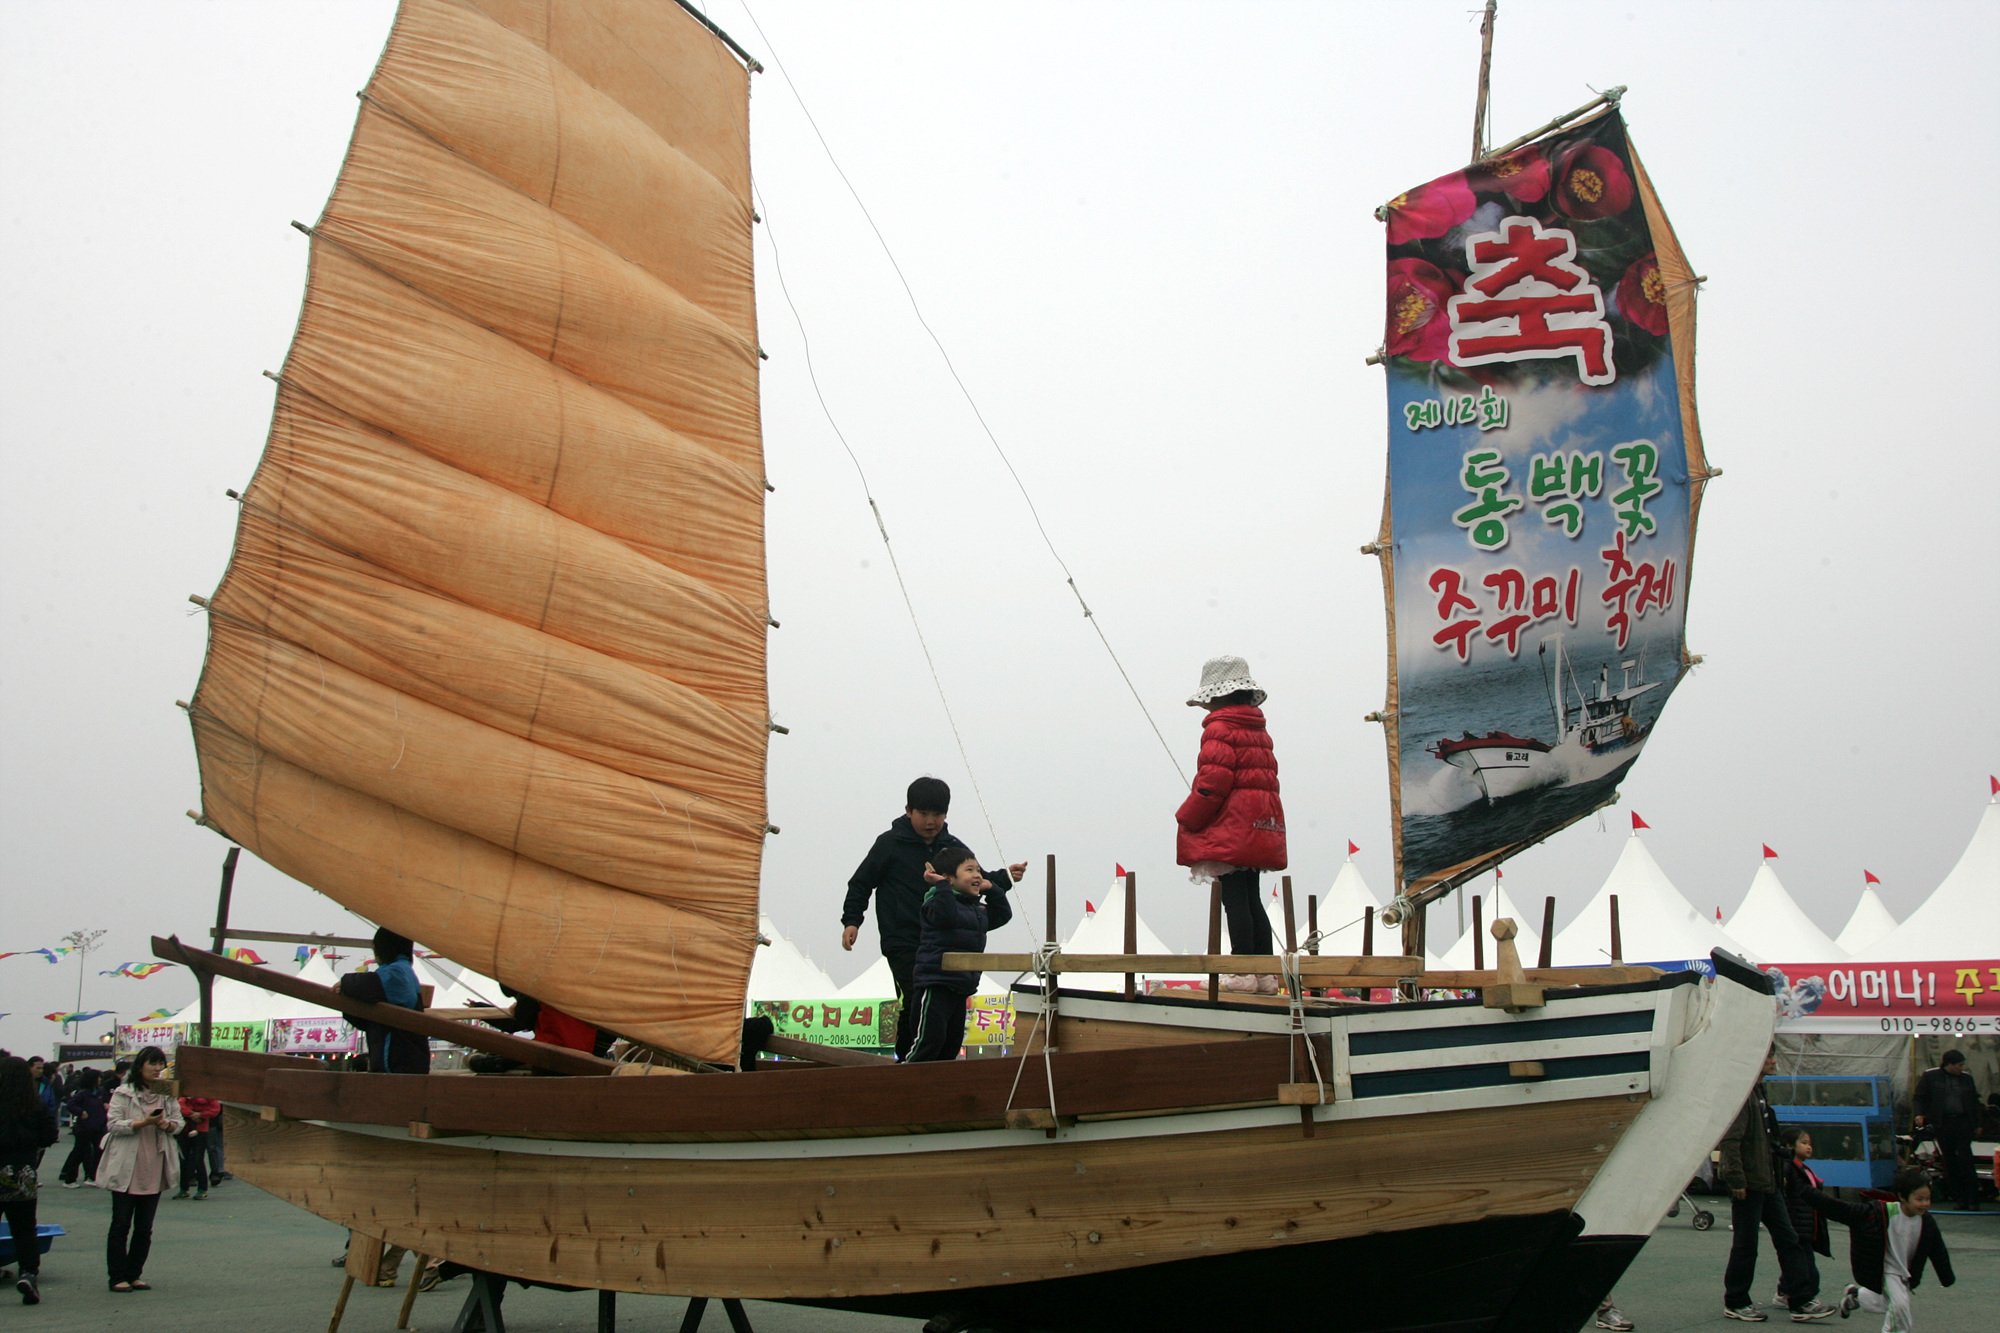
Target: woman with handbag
(26,1130)
(140,1164)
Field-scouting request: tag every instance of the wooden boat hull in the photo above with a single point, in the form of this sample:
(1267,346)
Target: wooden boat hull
(827,1227)
(1470,1169)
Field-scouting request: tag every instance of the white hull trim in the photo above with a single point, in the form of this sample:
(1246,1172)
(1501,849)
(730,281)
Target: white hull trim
(1713,1068)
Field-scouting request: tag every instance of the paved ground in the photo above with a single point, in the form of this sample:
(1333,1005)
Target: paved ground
(243,1261)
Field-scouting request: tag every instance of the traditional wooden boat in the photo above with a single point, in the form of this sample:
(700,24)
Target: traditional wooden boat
(487,667)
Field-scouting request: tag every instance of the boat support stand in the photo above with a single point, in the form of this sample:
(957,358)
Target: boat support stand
(481,1311)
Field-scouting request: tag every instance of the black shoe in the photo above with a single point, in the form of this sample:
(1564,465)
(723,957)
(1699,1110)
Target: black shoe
(30,1287)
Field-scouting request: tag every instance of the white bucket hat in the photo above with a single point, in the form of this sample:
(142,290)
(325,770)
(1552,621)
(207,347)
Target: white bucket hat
(1224,675)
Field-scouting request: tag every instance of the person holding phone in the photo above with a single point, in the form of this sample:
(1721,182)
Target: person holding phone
(139,1165)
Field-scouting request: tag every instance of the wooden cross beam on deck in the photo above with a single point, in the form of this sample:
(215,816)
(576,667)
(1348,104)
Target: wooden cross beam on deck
(1349,971)
(536,1054)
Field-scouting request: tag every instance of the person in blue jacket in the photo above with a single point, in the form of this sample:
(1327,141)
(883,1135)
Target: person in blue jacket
(393,981)
(959,908)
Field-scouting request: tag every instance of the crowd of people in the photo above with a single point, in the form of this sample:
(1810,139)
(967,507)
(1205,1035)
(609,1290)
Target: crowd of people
(1891,1240)
(128,1137)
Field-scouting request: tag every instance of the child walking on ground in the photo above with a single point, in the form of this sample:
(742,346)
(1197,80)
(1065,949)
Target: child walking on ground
(1889,1244)
(959,908)
(1232,825)
(1798,1185)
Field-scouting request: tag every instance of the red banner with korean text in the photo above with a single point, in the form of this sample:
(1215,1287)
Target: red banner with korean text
(1919,998)
(1544,478)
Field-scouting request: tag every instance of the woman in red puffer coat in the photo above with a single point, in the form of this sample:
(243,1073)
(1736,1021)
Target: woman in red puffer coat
(1232,825)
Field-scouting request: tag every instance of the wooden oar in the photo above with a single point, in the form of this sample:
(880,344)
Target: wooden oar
(538,1054)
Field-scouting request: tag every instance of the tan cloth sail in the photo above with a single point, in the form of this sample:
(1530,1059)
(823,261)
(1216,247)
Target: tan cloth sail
(487,665)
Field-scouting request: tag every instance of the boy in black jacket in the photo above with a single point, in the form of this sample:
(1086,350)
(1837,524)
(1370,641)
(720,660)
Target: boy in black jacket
(893,874)
(1889,1244)
(960,907)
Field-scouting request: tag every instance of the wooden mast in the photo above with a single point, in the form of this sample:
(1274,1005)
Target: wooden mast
(1485,77)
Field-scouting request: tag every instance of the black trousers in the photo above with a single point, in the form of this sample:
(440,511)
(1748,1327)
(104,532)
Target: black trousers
(85,1149)
(194,1161)
(903,967)
(1243,907)
(940,1024)
(1797,1273)
(27,1245)
(131,1237)
(1961,1181)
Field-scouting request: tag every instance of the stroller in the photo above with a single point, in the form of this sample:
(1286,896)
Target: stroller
(1702,1219)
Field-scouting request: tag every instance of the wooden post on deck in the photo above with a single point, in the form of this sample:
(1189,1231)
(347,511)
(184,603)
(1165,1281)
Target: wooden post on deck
(1291,926)
(203,981)
(1617,944)
(1367,932)
(1478,936)
(1548,931)
(1131,928)
(1050,911)
(1214,938)
(1312,922)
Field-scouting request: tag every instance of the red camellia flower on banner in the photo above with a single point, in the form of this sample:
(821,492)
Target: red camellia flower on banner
(1430,210)
(1417,327)
(1592,183)
(1524,175)
(1642,296)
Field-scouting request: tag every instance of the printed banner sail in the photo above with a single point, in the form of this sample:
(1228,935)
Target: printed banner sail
(1545,470)
(487,665)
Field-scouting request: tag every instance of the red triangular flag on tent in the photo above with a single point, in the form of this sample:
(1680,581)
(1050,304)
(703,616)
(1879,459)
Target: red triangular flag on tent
(1868,877)
(1638,823)
(1089,907)
(1118,870)
(1718,916)
(1769,855)
(1351,848)
(1994,783)
(1497,873)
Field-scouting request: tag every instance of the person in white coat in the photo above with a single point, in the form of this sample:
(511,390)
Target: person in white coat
(140,1164)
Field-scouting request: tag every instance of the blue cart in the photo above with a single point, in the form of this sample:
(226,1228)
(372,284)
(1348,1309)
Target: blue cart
(45,1236)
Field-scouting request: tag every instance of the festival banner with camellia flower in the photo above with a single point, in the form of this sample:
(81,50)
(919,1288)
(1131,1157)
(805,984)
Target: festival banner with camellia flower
(1544,476)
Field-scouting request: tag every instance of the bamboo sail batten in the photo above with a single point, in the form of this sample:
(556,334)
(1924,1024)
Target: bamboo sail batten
(488,666)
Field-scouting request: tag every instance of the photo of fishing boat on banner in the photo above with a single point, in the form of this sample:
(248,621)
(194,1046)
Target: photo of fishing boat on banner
(1542,446)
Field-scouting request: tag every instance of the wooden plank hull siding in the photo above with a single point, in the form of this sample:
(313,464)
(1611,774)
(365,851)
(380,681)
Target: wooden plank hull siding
(831,1227)
(1501,1275)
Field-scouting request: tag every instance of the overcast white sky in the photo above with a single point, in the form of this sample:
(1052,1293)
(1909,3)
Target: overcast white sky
(1144,232)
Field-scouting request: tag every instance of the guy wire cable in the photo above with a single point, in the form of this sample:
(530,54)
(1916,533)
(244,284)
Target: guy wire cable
(778,267)
(979,416)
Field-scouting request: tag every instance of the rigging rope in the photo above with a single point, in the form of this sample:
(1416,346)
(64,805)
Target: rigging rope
(979,416)
(867,491)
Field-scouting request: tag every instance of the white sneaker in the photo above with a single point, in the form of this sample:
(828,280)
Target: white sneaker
(1242,983)
(1268,985)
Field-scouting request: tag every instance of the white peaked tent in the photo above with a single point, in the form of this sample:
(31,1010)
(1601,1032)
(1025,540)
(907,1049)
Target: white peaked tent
(462,989)
(240,1002)
(1655,923)
(1870,921)
(1770,925)
(781,971)
(1961,918)
(876,983)
(1527,938)
(1340,913)
(1103,931)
